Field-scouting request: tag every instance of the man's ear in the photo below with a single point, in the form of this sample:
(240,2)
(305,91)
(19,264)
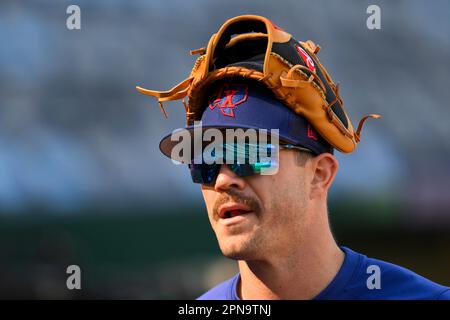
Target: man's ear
(325,167)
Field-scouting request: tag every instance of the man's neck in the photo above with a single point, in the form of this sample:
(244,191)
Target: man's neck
(301,275)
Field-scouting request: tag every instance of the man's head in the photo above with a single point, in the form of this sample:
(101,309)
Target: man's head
(258,215)
(282,206)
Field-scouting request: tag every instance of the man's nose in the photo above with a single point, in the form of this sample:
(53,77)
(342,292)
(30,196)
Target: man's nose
(227,179)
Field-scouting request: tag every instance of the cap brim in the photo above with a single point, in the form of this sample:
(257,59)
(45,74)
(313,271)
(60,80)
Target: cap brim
(167,145)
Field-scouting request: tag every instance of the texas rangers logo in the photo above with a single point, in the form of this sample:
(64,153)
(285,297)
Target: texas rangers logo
(306,58)
(228,97)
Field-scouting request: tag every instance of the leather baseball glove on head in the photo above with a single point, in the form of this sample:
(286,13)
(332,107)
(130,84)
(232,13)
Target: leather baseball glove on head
(253,47)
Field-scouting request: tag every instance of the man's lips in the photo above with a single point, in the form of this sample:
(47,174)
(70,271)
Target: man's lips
(230,210)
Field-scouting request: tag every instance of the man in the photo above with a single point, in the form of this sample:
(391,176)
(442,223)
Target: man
(279,233)
(276,225)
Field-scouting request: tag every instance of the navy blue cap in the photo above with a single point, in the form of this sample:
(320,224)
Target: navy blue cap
(242,103)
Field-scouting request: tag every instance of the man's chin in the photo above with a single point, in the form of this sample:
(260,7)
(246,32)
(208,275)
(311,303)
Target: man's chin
(240,250)
(234,255)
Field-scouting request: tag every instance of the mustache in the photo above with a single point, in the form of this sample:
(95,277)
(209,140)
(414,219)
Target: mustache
(237,197)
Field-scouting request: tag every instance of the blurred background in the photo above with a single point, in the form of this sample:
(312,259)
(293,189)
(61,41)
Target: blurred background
(82,180)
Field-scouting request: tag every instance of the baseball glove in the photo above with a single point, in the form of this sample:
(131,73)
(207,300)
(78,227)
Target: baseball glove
(253,47)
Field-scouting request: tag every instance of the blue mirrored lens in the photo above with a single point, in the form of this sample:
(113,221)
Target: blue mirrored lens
(247,160)
(204,173)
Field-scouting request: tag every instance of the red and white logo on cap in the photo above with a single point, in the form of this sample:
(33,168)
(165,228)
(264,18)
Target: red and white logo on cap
(228,97)
(306,58)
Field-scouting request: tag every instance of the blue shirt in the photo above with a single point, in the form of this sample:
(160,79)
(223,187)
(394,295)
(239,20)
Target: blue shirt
(351,283)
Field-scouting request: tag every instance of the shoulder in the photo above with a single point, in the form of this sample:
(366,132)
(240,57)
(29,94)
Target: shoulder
(223,291)
(378,279)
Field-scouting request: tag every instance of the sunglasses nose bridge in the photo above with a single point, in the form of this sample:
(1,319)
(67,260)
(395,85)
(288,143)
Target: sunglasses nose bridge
(227,178)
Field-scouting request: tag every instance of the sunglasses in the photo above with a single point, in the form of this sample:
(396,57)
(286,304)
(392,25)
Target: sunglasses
(206,174)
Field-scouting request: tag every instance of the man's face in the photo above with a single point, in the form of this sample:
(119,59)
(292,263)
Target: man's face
(263,215)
